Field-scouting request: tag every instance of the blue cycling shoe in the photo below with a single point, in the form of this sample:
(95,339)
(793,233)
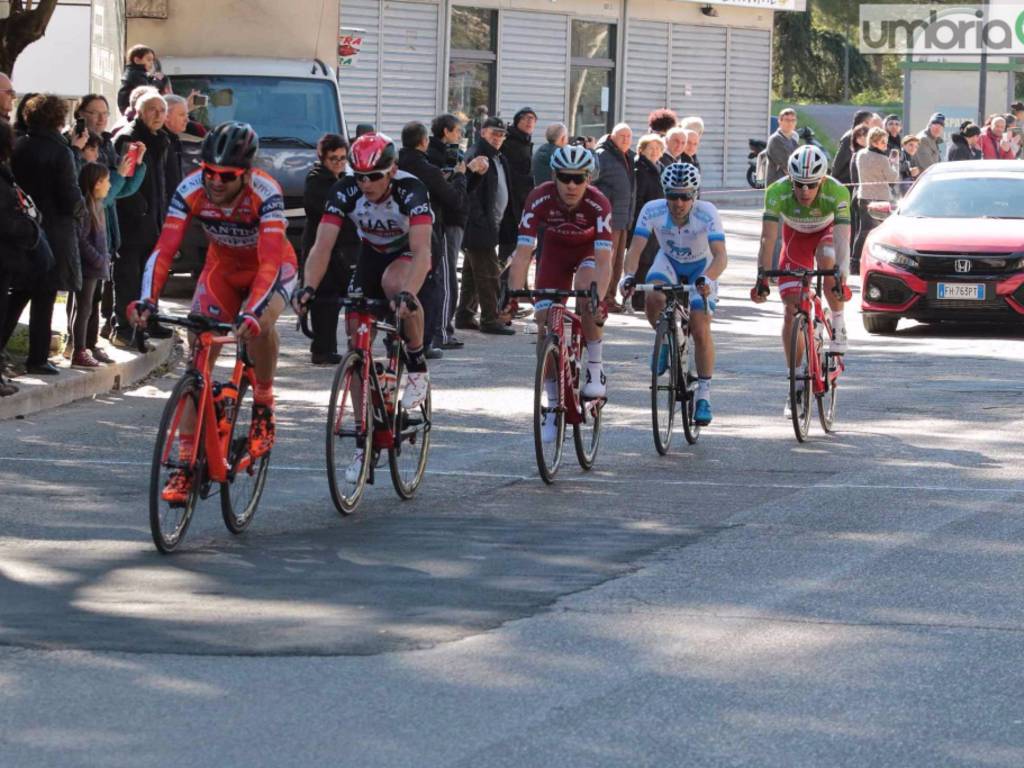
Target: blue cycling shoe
(662,359)
(702,413)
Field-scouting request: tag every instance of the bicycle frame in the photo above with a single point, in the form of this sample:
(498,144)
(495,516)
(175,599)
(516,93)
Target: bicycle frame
(570,350)
(215,444)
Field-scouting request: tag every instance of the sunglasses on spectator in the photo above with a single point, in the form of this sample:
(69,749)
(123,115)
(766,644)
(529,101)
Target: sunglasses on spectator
(806,185)
(571,178)
(226,176)
(336,158)
(684,196)
(371,176)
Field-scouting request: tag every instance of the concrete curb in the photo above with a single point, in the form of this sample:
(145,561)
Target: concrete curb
(43,393)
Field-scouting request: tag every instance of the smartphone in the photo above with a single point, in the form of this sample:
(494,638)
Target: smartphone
(200,100)
(79,126)
(132,156)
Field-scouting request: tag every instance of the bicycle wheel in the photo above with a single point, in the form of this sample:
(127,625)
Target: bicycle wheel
(349,429)
(664,387)
(410,430)
(240,496)
(800,378)
(549,455)
(586,435)
(168,521)
(688,386)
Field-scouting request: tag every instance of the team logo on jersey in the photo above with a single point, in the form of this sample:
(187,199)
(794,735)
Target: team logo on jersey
(420,210)
(526,219)
(604,223)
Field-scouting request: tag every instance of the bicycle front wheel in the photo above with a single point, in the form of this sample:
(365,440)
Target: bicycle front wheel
(169,520)
(586,435)
(349,434)
(664,386)
(548,409)
(240,496)
(687,377)
(800,380)
(410,430)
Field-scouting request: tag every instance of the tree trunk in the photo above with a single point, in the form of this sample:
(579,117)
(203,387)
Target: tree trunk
(22,28)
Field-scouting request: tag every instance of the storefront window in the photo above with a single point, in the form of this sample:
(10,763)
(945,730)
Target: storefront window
(592,78)
(474,55)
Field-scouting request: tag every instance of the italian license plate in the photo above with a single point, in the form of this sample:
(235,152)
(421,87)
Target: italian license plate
(961,291)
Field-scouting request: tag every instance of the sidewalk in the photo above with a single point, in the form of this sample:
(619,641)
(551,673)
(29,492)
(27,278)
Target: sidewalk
(39,393)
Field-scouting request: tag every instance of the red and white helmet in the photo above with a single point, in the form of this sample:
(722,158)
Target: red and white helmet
(372,152)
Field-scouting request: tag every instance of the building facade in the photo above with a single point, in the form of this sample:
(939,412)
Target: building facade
(587,63)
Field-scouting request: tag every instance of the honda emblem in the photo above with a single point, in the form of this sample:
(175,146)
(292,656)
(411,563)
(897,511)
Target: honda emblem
(962,265)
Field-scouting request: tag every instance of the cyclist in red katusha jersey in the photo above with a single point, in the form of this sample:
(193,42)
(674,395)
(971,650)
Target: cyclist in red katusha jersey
(249,272)
(574,220)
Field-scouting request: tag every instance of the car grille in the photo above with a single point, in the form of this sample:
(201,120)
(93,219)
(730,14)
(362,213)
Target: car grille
(964,306)
(894,291)
(982,264)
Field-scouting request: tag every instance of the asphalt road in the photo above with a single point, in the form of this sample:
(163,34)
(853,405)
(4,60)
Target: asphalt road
(747,601)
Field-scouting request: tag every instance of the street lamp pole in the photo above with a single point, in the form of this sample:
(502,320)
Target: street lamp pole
(983,64)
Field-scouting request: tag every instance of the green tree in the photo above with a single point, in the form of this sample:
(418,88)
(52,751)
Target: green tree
(25,23)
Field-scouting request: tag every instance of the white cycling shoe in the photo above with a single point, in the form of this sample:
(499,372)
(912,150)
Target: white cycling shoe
(549,429)
(416,387)
(353,470)
(594,389)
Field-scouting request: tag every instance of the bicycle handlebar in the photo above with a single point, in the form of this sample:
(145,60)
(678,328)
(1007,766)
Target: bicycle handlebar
(834,272)
(553,293)
(196,323)
(663,288)
(357,302)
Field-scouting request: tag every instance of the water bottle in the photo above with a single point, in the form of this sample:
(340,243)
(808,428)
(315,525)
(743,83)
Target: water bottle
(388,383)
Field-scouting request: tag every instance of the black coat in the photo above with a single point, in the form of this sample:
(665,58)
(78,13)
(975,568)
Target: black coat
(959,149)
(841,163)
(437,154)
(648,184)
(446,196)
(18,232)
(45,169)
(319,181)
(142,214)
(518,150)
(175,167)
(133,76)
(481,229)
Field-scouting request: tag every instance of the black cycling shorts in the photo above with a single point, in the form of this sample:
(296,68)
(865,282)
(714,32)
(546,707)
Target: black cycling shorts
(370,270)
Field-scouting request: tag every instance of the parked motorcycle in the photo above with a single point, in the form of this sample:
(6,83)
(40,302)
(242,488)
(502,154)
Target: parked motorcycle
(758,168)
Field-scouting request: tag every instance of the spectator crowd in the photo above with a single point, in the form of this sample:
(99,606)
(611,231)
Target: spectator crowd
(84,197)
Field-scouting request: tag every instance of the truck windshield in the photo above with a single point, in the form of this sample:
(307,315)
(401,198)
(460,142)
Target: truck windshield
(287,110)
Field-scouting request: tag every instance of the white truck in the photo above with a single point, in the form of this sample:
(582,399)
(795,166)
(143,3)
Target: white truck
(220,48)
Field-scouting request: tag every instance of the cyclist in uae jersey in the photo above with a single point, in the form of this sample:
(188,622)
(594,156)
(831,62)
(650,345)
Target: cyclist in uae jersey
(391,211)
(813,211)
(691,249)
(573,219)
(249,271)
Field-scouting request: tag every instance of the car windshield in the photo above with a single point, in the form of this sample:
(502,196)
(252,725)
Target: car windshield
(282,110)
(949,196)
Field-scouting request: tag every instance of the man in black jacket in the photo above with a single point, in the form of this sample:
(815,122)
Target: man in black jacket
(141,215)
(493,219)
(841,162)
(518,150)
(445,195)
(444,152)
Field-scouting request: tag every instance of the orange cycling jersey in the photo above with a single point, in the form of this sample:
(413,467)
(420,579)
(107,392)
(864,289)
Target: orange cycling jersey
(248,237)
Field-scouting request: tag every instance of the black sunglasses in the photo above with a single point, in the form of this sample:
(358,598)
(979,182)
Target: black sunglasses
(372,176)
(226,176)
(806,185)
(684,196)
(571,178)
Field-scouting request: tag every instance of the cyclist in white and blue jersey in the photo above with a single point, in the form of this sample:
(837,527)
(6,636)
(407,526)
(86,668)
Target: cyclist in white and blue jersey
(692,250)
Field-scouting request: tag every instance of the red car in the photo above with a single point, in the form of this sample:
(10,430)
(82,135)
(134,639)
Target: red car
(952,250)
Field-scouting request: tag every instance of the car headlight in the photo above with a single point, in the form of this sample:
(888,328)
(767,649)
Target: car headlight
(890,255)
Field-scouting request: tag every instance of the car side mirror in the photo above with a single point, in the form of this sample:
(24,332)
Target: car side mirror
(880,210)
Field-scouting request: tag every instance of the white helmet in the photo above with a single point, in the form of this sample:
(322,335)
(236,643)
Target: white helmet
(680,176)
(807,164)
(573,158)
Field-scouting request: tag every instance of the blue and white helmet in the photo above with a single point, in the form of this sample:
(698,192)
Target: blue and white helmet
(680,176)
(574,159)
(807,164)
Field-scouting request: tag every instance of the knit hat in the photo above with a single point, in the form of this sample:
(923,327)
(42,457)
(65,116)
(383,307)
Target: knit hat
(939,118)
(521,113)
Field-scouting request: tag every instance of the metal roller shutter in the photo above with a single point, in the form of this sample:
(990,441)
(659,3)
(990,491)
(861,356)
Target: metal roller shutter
(698,87)
(358,83)
(647,63)
(410,79)
(748,98)
(533,64)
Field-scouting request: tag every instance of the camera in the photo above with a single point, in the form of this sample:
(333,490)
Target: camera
(79,126)
(453,155)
